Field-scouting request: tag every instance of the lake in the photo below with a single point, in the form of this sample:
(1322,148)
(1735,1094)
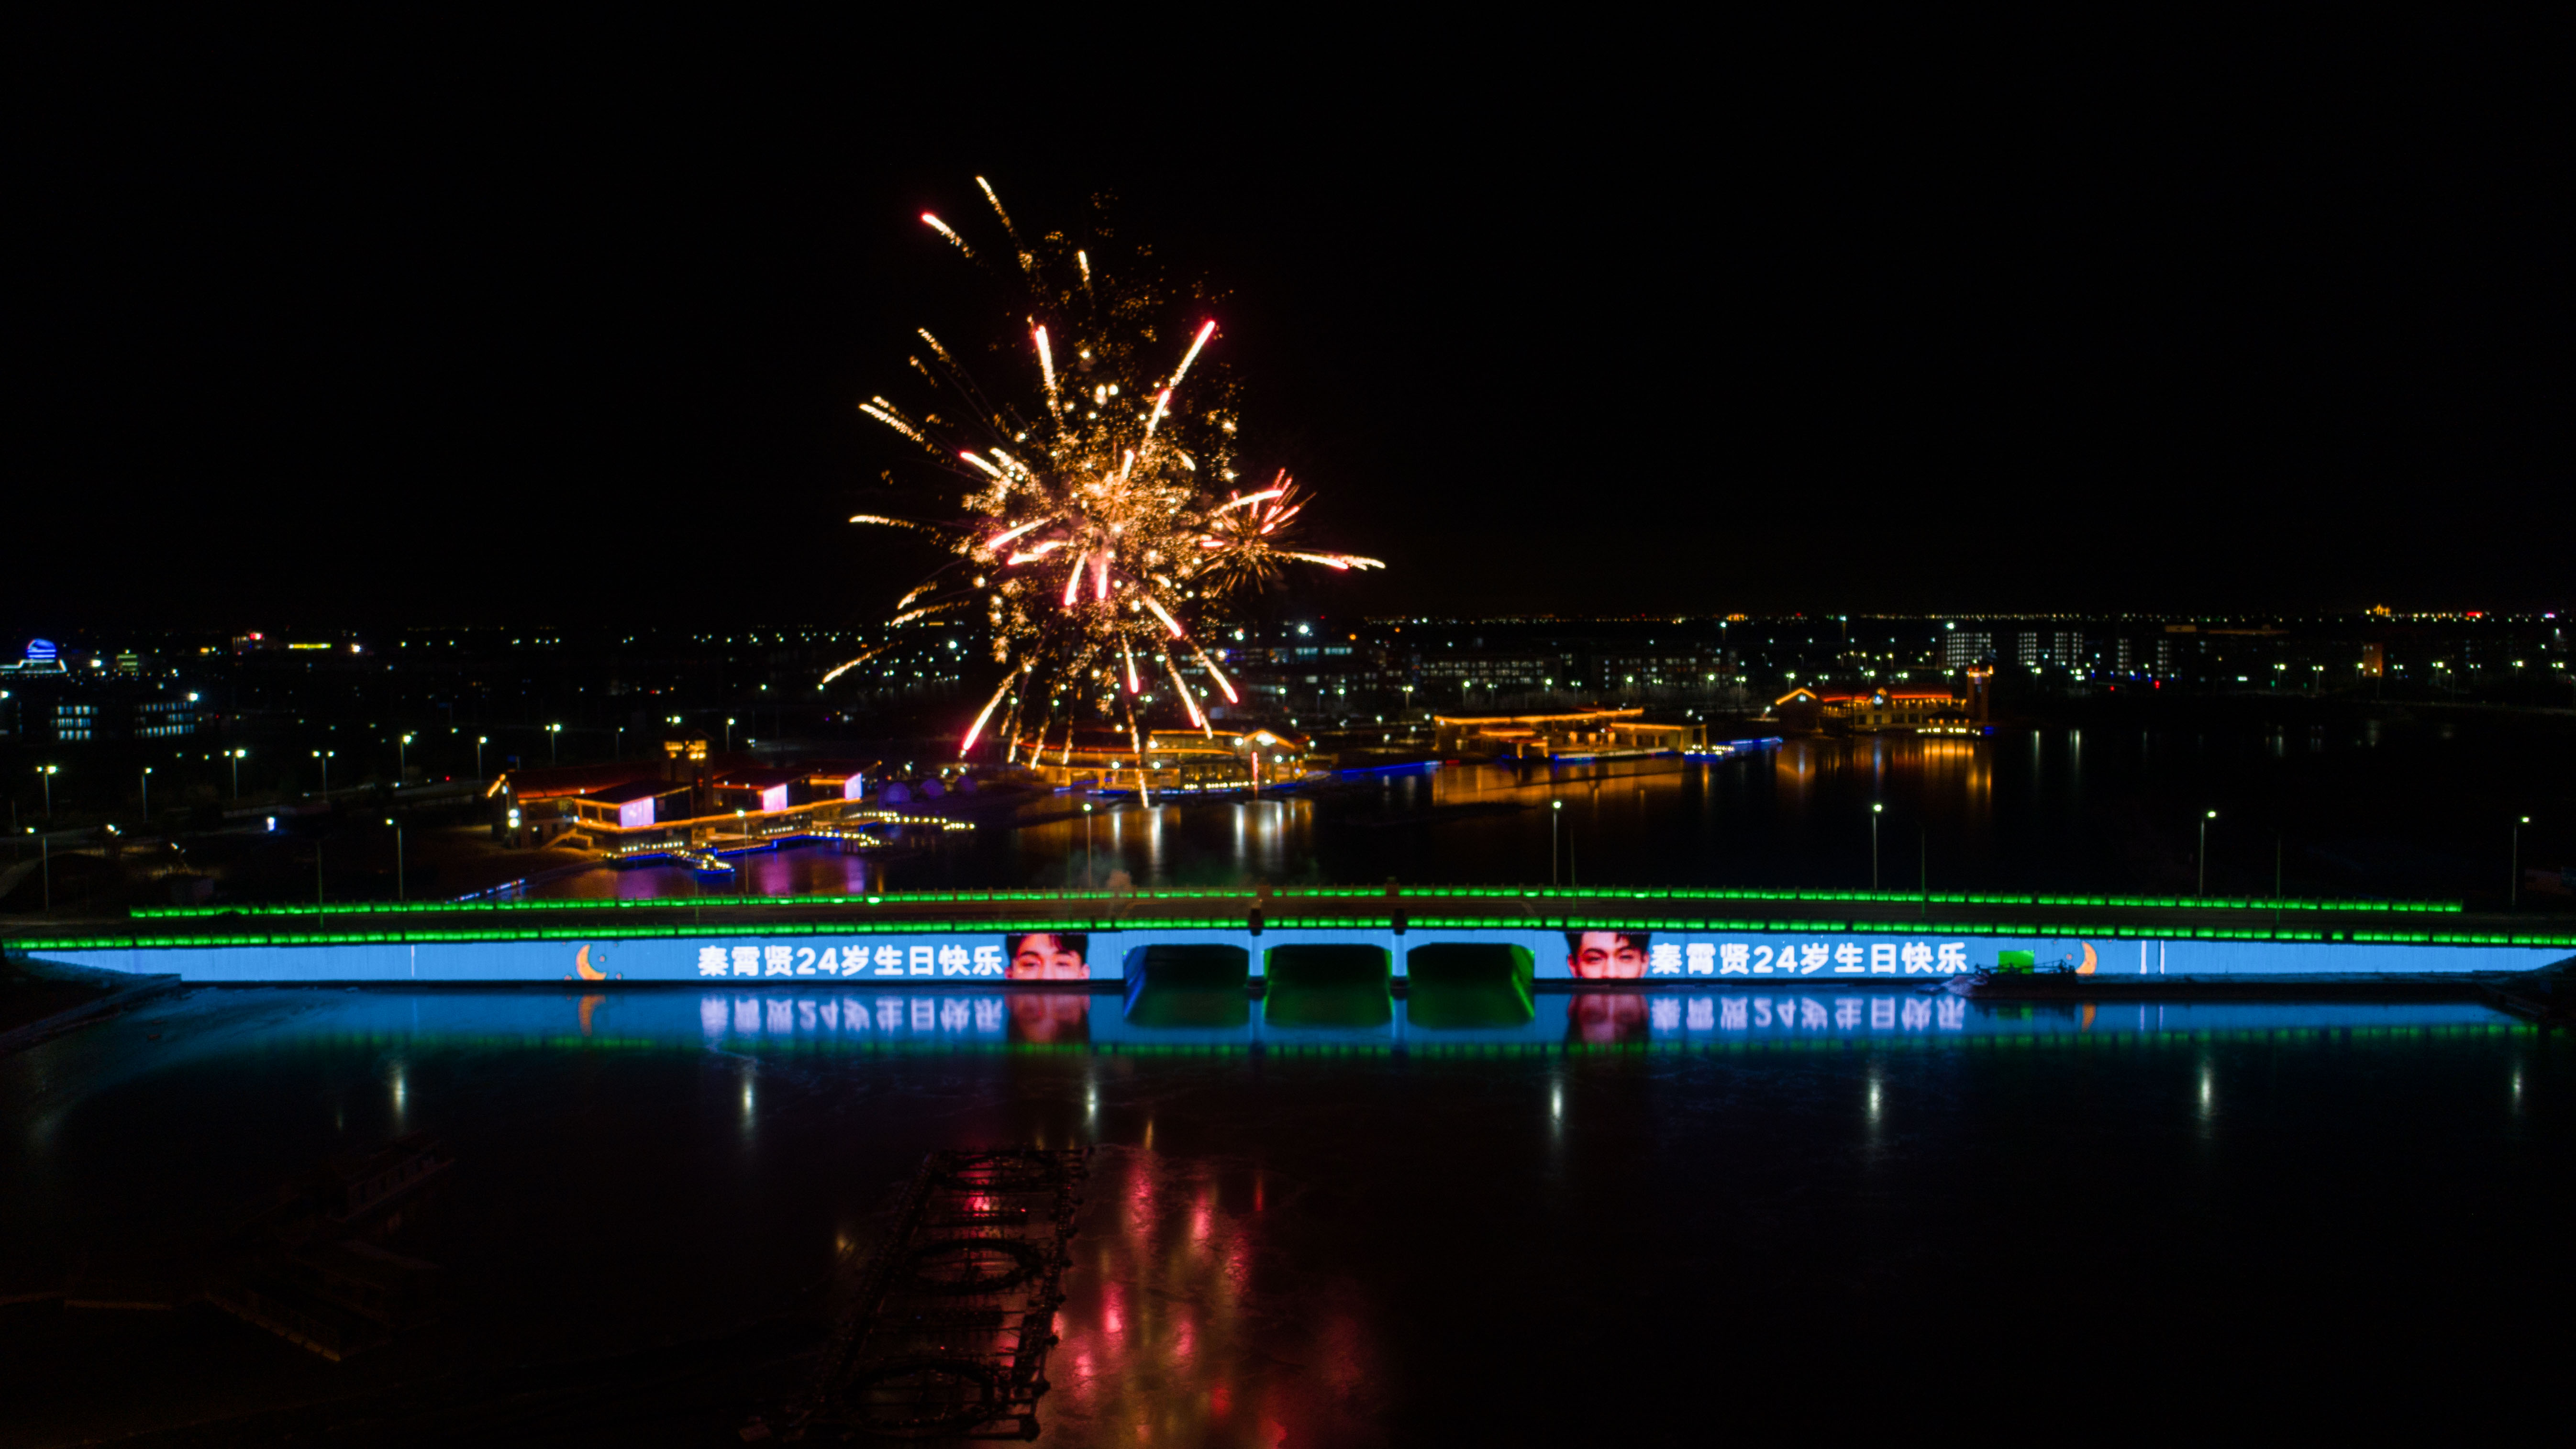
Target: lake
(2405,805)
(1662,1232)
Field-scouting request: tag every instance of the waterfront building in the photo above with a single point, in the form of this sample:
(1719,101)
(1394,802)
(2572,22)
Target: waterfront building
(1894,711)
(1886,711)
(1576,734)
(684,795)
(1235,756)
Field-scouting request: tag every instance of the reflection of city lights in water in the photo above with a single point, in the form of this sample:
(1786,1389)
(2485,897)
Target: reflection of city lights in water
(1794,764)
(1277,1311)
(1155,1337)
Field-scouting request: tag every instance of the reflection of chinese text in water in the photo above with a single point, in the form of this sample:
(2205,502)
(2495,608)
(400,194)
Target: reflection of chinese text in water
(890,1016)
(870,1015)
(1686,1014)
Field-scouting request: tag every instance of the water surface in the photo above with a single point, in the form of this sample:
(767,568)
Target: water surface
(2341,805)
(1381,1235)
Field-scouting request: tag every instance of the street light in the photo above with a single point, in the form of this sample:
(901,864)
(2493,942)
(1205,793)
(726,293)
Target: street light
(728,734)
(398,858)
(325,757)
(236,756)
(402,758)
(1086,845)
(1875,810)
(554,744)
(2204,850)
(2513,888)
(479,742)
(47,773)
(1555,814)
(147,792)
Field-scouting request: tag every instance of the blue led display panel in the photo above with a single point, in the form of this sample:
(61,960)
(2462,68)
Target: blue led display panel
(1743,958)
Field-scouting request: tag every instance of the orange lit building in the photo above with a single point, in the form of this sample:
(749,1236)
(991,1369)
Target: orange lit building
(1879,711)
(1177,761)
(1582,733)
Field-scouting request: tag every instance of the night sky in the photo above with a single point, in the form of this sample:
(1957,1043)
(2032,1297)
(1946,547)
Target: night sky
(382,329)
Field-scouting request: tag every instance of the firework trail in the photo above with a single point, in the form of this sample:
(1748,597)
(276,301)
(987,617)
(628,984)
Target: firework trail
(1090,536)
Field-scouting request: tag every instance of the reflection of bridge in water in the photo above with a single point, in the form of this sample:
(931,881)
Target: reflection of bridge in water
(844,1021)
(1677,1021)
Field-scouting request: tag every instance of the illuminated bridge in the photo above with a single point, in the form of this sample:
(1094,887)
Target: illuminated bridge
(1365,935)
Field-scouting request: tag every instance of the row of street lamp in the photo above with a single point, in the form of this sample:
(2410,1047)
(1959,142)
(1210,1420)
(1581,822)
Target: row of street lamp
(233,757)
(554,734)
(2513,890)
(402,763)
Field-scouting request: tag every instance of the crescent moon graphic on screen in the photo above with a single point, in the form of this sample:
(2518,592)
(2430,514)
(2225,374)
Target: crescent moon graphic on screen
(2090,961)
(581,963)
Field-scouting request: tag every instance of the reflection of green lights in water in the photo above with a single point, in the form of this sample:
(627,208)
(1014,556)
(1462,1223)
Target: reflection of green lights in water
(1469,985)
(1352,1006)
(1336,986)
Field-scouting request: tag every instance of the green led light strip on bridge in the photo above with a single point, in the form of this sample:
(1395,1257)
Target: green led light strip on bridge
(1426,893)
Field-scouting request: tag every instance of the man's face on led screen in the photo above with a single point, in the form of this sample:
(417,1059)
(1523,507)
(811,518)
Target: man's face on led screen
(1605,955)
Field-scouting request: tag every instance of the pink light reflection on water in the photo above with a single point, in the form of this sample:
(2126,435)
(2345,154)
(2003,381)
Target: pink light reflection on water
(805,870)
(1185,1324)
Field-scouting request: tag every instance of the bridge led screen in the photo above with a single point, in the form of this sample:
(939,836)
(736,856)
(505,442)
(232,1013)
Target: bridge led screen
(810,956)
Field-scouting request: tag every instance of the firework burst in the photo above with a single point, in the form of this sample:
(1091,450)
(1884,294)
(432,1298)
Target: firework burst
(1090,537)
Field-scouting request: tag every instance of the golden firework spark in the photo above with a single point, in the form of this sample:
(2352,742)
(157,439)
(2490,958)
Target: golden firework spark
(1249,540)
(1090,533)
